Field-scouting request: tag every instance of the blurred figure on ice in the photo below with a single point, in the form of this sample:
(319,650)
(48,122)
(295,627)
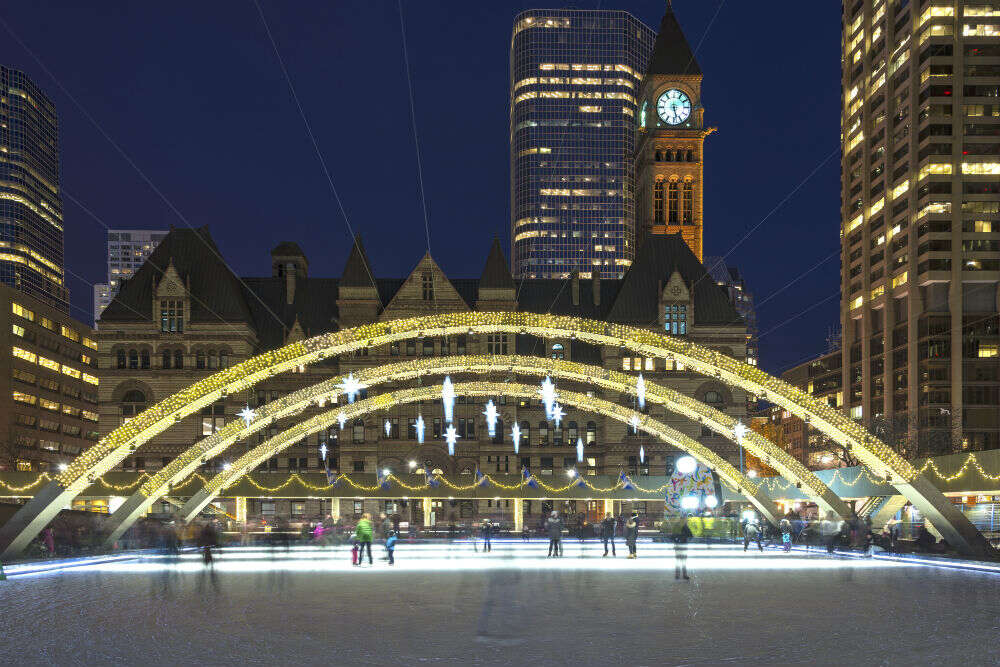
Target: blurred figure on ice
(608,526)
(786,534)
(632,533)
(829,529)
(487,529)
(390,546)
(206,540)
(365,534)
(682,533)
(751,531)
(554,526)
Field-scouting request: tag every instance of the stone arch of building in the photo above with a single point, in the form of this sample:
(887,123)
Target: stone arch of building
(327,391)
(881,459)
(254,457)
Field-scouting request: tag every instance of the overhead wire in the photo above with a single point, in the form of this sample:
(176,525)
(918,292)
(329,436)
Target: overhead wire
(413,122)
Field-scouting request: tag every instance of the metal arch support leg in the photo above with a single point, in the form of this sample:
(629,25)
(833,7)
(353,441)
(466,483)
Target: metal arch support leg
(954,526)
(126,515)
(17,533)
(767,507)
(196,504)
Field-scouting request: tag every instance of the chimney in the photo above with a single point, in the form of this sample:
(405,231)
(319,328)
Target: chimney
(596,284)
(576,288)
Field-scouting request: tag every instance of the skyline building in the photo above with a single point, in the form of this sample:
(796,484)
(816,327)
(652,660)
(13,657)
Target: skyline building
(670,141)
(31,212)
(920,234)
(127,250)
(574,77)
(731,280)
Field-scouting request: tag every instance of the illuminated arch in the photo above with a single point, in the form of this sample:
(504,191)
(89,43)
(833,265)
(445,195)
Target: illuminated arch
(327,391)
(881,459)
(253,458)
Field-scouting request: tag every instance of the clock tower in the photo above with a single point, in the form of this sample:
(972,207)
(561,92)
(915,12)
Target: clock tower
(669,174)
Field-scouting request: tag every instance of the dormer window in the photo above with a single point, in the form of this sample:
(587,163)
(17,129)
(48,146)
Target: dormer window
(171,316)
(675,319)
(427,284)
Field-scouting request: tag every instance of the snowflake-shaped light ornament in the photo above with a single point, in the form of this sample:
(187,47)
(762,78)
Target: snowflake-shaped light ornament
(579,450)
(448,399)
(247,414)
(342,419)
(740,430)
(419,427)
(515,435)
(557,414)
(548,393)
(322,452)
(642,454)
(640,392)
(351,386)
(451,436)
(388,428)
(491,417)
(634,423)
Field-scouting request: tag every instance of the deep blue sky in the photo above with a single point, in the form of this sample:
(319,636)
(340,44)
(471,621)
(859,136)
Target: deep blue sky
(193,93)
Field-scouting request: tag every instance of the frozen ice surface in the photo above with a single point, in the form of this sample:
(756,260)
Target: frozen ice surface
(451,605)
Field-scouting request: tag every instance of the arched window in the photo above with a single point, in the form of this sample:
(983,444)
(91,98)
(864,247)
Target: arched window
(672,202)
(178,358)
(213,361)
(591,433)
(713,397)
(199,359)
(557,351)
(144,356)
(358,431)
(498,436)
(133,402)
(689,156)
(121,358)
(658,201)
(133,359)
(679,156)
(668,156)
(687,215)
(526,433)
(557,434)
(543,433)
(659,156)
(223,359)
(165,359)
(572,433)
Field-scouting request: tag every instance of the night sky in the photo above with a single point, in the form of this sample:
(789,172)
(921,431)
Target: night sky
(193,94)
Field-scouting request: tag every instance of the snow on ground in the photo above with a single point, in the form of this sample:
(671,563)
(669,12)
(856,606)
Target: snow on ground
(444,605)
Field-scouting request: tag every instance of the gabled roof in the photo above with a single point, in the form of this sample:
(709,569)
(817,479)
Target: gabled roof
(656,260)
(357,270)
(496,273)
(671,52)
(198,263)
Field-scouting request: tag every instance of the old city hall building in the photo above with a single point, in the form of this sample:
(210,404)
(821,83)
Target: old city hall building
(184,315)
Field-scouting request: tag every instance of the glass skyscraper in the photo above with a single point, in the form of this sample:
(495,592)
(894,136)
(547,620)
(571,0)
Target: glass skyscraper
(573,81)
(31,227)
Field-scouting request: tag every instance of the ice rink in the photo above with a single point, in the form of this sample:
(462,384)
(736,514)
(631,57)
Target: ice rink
(453,604)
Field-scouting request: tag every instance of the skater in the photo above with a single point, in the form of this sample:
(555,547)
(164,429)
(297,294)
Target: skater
(608,533)
(525,534)
(390,546)
(632,533)
(487,529)
(364,533)
(554,526)
(682,533)
(206,540)
(786,535)
(386,526)
(354,551)
(830,531)
(751,532)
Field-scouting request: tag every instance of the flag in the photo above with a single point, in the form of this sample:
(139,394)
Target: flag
(331,478)
(481,478)
(579,482)
(381,480)
(431,480)
(528,478)
(625,482)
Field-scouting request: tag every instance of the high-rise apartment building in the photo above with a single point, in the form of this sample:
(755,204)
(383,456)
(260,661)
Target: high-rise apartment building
(127,250)
(731,280)
(669,154)
(31,224)
(920,179)
(574,79)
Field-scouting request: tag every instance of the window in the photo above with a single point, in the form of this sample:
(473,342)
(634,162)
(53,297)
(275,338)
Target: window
(675,319)
(525,433)
(199,358)
(213,418)
(672,202)
(144,359)
(428,347)
(165,359)
(121,359)
(427,285)
(658,202)
(437,427)
(572,433)
(21,311)
(359,466)
(687,210)
(358,433)
(394,348)
(213,360)
(496,344)
(591,438)
(411,348)
(171,316)
(133,402)
(445,347)
(178,358)
(713,397)
(133,359)
(543,433)
(298,508)
(460,345)
(557,351)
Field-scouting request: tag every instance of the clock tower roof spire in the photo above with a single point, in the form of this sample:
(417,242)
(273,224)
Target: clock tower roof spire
(671,53)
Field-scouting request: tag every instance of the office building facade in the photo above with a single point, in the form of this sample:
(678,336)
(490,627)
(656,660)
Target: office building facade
(127,250)
(31,215)
(574,80)
(920,232)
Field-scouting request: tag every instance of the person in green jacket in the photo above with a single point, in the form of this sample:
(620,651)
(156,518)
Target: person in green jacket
(364,534)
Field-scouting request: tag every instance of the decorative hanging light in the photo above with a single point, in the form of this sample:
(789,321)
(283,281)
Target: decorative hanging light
(557,414)
(548,393)
(579,450)
(642,454)
(419,426)
(342,418)
(388,428)
(351,386)
(634,423)
(739,431)
(448,399)
(247,414)
(451,437)
(640,392)
(491,418)
(515,435)
(322,452)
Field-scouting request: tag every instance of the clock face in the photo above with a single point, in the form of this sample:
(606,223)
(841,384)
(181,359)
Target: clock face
(673,107)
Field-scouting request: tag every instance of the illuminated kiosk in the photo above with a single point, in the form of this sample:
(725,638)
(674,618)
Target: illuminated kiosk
(882,460)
